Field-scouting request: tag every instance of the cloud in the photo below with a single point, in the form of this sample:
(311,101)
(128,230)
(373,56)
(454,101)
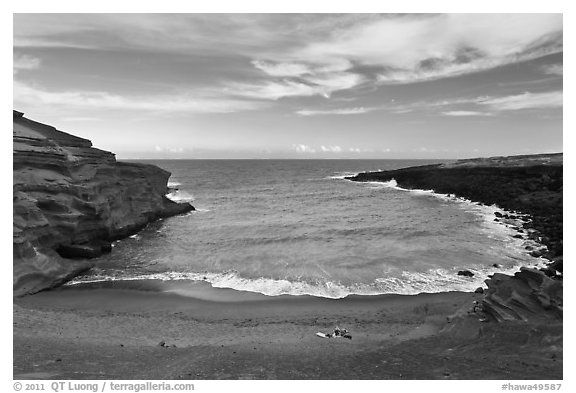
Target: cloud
(342,111)
(405,49)
(416,48)
(314,85)
(303,148)
(331,149)
(553,69)
(484,105)
(305,55)
(465,113)
(29,96)
(281,69)
(525,101)
(273,90)
(355,150)
(25,62)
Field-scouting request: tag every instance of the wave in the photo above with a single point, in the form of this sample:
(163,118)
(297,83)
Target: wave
(342,175)
(407,283)
(173,184)
(180,196)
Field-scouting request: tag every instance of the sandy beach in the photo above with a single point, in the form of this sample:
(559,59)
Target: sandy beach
(109,332)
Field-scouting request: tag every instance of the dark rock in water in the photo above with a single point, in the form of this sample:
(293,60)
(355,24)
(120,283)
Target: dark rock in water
(162,344)
(537,253)
(518,237)
(528,295)
(497,265)
(549,272)
(70,200)
(479,290)
(466,273)
(557,264)
(531,187)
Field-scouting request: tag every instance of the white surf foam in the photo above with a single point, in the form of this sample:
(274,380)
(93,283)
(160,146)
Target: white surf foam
(180,196)
(173,183)
(433,281)
(342,175)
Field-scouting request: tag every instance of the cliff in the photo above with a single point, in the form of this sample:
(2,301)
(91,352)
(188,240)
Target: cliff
(529,185)
(71,200)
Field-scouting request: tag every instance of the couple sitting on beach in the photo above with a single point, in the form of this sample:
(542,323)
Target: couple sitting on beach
(340,333)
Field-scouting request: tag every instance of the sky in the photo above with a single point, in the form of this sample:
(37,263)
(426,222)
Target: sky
(295,85)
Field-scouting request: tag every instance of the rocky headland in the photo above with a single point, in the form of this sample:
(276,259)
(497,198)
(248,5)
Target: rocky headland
(72,200)
(529,188)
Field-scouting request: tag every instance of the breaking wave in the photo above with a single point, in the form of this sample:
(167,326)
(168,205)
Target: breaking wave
(180,196)
(433,281)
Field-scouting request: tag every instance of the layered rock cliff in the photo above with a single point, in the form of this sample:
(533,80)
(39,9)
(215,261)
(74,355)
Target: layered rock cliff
(71,200)
(528,295)
(531,185)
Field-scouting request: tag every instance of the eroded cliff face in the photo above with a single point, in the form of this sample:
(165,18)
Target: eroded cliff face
(71,200)
(528,295)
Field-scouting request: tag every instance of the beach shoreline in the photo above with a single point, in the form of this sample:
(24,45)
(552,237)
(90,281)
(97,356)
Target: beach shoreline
(111,333)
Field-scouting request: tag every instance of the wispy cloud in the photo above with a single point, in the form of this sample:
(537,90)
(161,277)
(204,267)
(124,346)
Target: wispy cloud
(524,101)
(25,62)
(313,55)
(483,105)
(465,113)
(553,69)
(423,47)
(313,85)
(29,96)
(281,69)
(341,111)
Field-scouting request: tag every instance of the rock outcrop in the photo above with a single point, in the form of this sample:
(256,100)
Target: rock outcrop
(530,185)
(71,200)
(528,295)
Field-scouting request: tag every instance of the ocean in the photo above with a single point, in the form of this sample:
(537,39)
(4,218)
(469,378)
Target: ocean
(297,227)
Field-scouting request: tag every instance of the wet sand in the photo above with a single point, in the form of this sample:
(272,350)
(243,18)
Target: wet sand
(112,331)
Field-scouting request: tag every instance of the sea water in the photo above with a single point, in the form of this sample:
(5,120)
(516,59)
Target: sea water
(298,227)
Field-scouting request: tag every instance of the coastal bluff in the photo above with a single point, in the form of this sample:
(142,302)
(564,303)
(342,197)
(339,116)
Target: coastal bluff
(71,200)
(531,188)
